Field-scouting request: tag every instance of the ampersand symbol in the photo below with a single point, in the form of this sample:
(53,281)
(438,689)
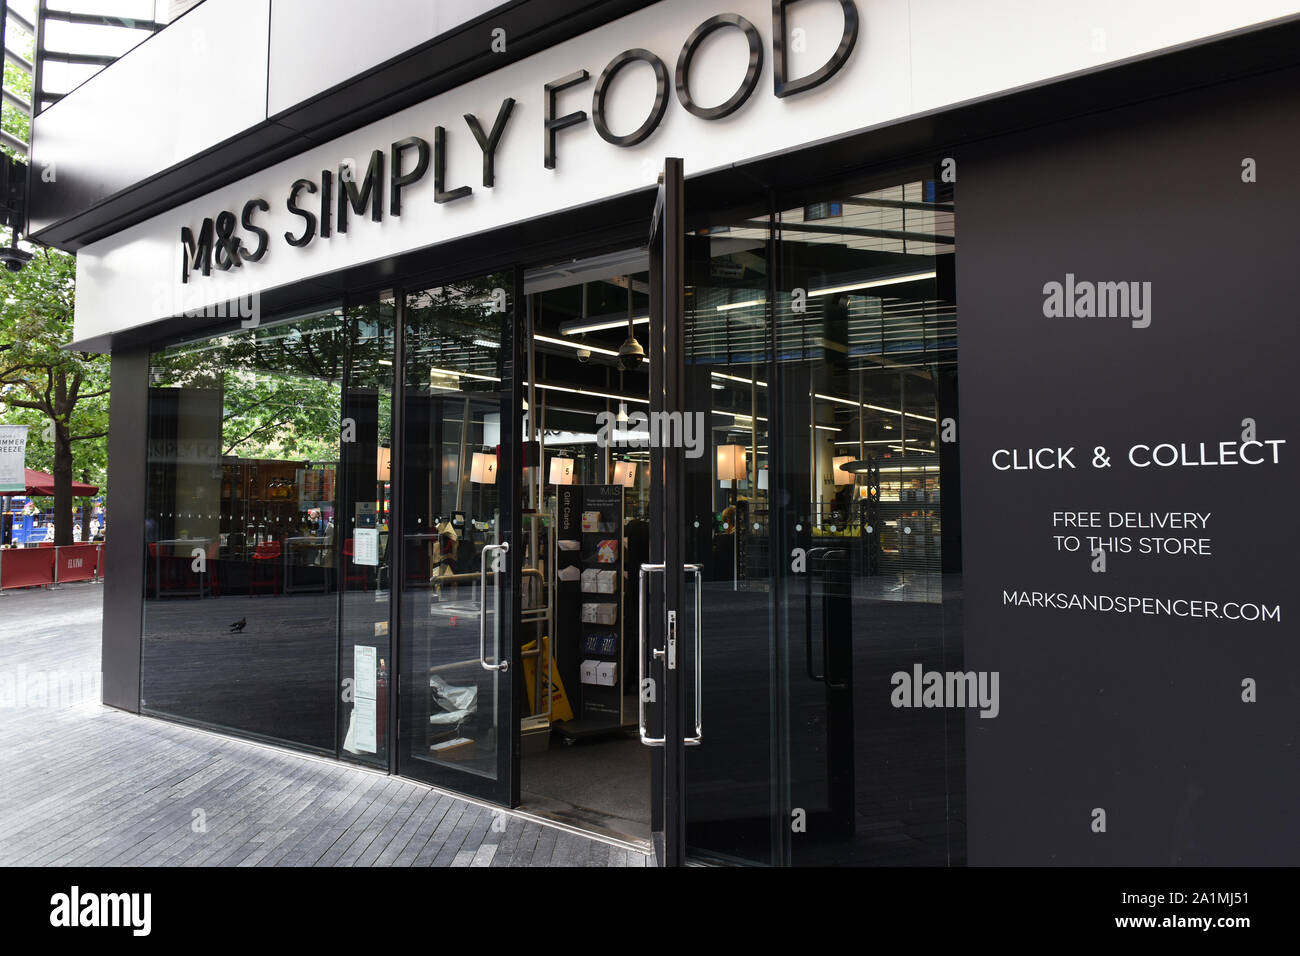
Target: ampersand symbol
(1099,458)
(226,252)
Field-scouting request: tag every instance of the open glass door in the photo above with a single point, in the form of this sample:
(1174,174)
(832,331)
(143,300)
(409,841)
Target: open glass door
(662,682)
(460,490)
(709,630)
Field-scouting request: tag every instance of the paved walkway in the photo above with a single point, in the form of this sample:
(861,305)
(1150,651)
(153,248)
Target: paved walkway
(84,784)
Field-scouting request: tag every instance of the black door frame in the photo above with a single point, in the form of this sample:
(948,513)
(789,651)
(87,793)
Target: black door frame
(504,789)
(664,604)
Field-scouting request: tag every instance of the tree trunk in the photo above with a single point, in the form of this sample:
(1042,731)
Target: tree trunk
(62,485)
(62,463)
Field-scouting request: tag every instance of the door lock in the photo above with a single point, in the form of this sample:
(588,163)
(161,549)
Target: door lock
(672,640)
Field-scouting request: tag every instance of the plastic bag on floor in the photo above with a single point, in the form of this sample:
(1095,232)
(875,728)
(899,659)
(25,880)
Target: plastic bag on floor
(457,702)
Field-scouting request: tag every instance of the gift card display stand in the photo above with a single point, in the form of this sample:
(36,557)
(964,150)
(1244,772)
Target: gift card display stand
(589,588)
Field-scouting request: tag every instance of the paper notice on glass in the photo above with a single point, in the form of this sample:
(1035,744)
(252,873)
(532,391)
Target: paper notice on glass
(363,727)
(364,672)
(365,547)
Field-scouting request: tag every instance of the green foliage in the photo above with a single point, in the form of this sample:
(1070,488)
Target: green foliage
(12,119)
(279,387)
(61,395)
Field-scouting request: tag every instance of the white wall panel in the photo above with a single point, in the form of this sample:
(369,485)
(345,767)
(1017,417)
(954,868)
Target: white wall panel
(911,57)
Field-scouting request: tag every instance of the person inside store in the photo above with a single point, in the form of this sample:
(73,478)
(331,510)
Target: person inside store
(445,551)
(723,557)
(842,507)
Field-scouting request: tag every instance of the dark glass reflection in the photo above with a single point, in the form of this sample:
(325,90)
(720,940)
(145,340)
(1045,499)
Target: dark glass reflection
(363,552)
(726,512)
(866,369)
(241,515)
(457,361)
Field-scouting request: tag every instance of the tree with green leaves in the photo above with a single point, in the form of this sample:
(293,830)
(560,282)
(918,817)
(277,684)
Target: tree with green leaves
(62,396)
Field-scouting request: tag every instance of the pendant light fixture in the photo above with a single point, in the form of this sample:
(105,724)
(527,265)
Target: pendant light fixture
(630,353)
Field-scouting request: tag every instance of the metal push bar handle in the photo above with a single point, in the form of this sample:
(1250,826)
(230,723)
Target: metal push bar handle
(699,659)
(659,655)
(482,608)
(640,658)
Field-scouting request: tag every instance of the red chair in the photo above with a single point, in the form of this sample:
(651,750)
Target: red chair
(173,574)
(265,570)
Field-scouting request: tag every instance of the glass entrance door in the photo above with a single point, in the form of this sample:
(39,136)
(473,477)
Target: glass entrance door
(805,362)
(459,515)
(710,648)
(868,585)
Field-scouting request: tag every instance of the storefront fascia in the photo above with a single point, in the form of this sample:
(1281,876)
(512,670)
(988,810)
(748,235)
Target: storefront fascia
(134,287)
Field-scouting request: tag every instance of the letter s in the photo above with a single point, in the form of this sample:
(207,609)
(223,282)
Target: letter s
(246,220)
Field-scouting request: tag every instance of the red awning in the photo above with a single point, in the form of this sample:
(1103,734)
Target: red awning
(39,483)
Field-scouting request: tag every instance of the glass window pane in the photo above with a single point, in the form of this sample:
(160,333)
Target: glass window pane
(866,360)
(458,347)
(364,558)
(240,622)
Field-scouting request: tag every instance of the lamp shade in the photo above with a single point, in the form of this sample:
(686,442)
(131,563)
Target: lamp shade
(561,471)
(843,477)
(483,468)
(625,473)
(731,462)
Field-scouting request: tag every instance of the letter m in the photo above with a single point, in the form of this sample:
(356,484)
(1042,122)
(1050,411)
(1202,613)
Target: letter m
(962,688)
(672,432)
(371,192)
(196,255)
(115,909)
(1112,300)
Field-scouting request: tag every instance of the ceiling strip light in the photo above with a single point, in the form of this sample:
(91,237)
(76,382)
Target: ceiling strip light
(875,408)
(875,283)
(576,346)
(741,305)
(578,326)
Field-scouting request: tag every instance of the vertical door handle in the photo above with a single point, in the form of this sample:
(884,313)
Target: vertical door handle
(640,657)
(699,658)
(501,665)
(813,557)
(669,655)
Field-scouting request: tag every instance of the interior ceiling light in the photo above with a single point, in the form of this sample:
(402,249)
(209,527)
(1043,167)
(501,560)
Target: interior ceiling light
(869,441)
(874,283)
(576,346)
(578,326)
(874,408)
(587,391)
(453,374)
(737,378)
(742,305)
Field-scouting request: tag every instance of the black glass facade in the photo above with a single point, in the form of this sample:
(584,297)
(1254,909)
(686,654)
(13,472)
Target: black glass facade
(266,584)
(293,528)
